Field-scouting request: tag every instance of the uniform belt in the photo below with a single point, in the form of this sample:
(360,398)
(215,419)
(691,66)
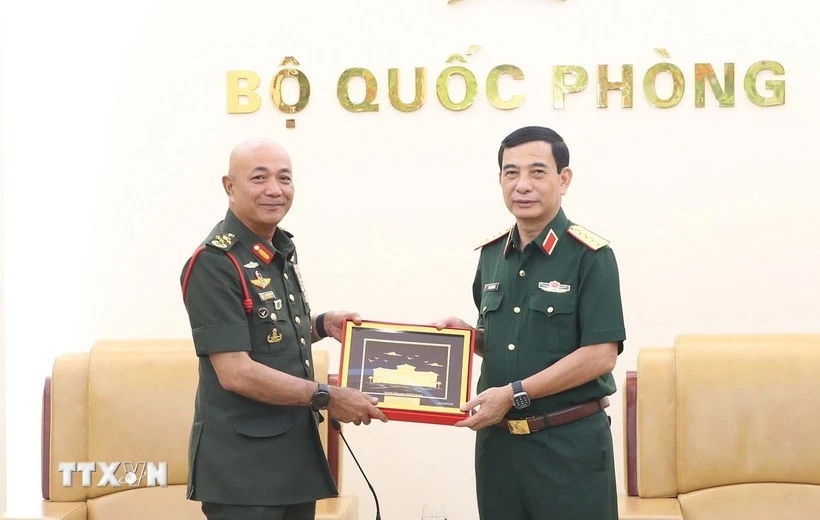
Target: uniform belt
(551,420)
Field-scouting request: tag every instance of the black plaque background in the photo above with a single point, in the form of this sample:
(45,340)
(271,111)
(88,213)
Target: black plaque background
(422,357)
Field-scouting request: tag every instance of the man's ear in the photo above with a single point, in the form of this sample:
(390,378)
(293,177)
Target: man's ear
(227,184)
(566,179)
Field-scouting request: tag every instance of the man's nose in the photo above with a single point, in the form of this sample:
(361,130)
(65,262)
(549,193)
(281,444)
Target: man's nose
(272,188)
(523,185)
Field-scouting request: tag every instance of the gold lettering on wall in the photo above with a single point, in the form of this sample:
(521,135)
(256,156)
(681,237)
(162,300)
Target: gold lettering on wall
(492,87)
(560,87)
(443,88)
(393,90)
(371,88)
(604,86)
(777,87)
(725,96)
(241,86)
(678,85)
(276,90)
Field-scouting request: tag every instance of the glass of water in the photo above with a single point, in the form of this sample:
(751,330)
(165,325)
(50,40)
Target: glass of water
(433,512)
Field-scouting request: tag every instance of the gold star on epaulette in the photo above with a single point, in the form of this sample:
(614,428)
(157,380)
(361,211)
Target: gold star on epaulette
(587,237)
(493,238)
(223,241)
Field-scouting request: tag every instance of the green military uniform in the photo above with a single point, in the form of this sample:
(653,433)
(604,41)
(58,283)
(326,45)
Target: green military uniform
(244,452)
(538,304)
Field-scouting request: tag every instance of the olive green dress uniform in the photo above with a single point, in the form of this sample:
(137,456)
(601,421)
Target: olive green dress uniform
(242,451)
(538,304)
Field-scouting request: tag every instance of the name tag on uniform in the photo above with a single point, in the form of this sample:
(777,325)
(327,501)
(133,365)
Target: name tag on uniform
(490,287)
(553,286)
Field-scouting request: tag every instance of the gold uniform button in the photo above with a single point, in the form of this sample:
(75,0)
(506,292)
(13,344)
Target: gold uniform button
(521,272)
(273,317)
(550,309)
(286,276)
(516,309)
(484,309)
(307,362)
(297,319)
(510,347)
(291,298)
(302,341)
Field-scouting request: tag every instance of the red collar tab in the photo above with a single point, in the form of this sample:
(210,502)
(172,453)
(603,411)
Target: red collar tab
(262,253)
(549,242)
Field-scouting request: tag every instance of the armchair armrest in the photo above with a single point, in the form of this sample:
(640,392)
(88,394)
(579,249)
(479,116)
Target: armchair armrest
(634,508)
(344,507)
(49,511)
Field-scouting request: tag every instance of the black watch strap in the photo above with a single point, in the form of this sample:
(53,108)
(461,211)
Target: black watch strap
(320,326)
(520,398)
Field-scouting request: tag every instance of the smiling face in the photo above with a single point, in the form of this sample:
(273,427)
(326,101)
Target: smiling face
(531,183)
(260,186)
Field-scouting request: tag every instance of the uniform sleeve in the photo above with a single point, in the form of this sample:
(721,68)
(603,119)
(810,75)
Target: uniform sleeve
(601,314)
(214,304)
(477,296)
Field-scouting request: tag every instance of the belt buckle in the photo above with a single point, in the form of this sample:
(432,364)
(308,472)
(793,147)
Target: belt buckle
(518,427)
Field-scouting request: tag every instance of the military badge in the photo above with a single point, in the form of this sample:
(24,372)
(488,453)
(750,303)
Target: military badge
(553,287)
(267,295)
(223,241)
(260,281)
(275,336)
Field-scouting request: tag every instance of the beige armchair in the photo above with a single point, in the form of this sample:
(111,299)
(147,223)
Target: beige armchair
(724,428)
(134,401)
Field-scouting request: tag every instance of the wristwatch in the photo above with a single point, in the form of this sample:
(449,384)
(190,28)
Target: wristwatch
(321,398)
(520,398)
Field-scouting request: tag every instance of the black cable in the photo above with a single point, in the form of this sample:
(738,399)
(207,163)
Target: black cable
(338,427)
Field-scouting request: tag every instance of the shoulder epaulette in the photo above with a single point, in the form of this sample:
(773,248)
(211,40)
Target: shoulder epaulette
(222,241)
(493,238)
(587,237)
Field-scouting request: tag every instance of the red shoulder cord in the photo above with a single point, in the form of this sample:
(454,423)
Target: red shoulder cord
(247,303)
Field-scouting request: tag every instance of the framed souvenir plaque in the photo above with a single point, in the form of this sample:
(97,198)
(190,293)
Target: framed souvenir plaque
(418,372)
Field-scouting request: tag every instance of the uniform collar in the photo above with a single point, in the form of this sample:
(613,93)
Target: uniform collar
(282,243)
(547,239)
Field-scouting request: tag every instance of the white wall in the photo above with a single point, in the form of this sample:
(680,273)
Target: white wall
(2,336)
(115,135)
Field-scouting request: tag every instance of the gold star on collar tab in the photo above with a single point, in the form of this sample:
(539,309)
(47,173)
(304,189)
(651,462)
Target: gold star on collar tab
(587,237)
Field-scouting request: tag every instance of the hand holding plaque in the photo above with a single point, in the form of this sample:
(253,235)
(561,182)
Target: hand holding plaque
(418,373)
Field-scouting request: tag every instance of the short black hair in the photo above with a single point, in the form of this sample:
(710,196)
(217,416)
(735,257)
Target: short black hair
(527,134)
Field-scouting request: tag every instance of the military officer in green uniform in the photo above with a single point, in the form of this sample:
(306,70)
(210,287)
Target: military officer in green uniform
(255,451)
(550,328)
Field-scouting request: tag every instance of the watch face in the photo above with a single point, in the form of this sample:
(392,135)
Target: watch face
(321,400)
(521,400)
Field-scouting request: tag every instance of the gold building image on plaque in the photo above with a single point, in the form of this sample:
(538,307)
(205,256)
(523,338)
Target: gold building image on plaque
(405,375)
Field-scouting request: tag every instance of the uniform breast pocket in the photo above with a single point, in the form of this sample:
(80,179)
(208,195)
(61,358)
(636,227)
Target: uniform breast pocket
(266,334)
(554,319)
(490,306)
